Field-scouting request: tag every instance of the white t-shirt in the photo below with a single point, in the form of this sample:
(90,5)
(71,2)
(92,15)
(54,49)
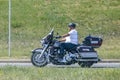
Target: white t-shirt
(73,37)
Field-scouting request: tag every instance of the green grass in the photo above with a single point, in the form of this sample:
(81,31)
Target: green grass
(32,19)
(110,48)
(32,73)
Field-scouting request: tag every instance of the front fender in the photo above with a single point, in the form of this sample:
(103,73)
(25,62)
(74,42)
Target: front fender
(37,50)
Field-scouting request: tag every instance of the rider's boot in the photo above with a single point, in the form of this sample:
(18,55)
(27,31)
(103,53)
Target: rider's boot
(60,57)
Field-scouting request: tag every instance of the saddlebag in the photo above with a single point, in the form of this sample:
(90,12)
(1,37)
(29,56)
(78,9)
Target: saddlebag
(87,52)
(95,42)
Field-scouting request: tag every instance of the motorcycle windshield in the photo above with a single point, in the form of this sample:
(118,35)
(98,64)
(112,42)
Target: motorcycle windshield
(49,37)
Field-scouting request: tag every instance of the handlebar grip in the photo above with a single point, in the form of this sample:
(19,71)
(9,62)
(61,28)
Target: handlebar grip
(58,37)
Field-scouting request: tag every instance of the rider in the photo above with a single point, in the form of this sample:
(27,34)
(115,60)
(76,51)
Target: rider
(68,40)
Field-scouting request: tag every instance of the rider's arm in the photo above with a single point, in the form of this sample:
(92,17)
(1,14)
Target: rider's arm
(65,35)
(63,40)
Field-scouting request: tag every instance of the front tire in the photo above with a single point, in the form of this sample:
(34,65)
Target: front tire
(39,62)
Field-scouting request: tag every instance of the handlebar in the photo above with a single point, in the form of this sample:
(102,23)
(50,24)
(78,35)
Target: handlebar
(58,37)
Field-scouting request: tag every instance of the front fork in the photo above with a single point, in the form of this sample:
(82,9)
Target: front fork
(44,49)
(40,50)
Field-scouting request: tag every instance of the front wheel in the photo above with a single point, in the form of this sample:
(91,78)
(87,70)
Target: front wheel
(37,61)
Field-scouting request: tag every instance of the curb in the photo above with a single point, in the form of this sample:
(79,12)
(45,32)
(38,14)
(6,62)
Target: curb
(110,61)
(15,61)
(29,61)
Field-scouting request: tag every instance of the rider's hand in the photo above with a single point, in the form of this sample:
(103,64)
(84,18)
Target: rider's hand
(57,37)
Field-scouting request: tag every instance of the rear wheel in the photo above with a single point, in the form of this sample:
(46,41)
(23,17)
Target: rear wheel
(86,64)
(37,60)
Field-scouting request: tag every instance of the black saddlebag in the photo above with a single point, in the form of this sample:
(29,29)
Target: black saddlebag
(87,52)
(95,42)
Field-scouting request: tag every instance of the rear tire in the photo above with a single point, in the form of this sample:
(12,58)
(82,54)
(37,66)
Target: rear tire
(86,64)
(39,62)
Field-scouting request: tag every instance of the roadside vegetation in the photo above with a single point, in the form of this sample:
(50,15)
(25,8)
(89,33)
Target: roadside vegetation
(33,19)
(32,73)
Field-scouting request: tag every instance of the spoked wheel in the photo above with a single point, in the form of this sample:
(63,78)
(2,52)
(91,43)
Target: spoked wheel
(37,60)
(85,64)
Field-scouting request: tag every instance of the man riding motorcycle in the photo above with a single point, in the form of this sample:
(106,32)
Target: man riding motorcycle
(66,51)
(68,40)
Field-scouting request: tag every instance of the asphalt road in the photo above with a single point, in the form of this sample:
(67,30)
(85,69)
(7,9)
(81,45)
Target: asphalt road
(105,63)
(97,65)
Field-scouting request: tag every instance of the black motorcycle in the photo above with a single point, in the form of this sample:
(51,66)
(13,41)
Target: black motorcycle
(84,54)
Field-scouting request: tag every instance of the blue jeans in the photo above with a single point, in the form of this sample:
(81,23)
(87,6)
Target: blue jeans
(65,46)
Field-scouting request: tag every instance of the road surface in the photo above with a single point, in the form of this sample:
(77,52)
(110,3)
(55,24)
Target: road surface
(97,65)
(27,63)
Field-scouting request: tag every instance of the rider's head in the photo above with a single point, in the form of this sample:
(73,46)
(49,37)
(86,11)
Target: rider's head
(72,25)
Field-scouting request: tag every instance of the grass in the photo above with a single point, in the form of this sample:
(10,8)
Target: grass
(32,73)
(33,19)
(110,49)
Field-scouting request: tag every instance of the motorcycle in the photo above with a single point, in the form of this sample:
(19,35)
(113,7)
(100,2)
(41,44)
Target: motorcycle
(84,54)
